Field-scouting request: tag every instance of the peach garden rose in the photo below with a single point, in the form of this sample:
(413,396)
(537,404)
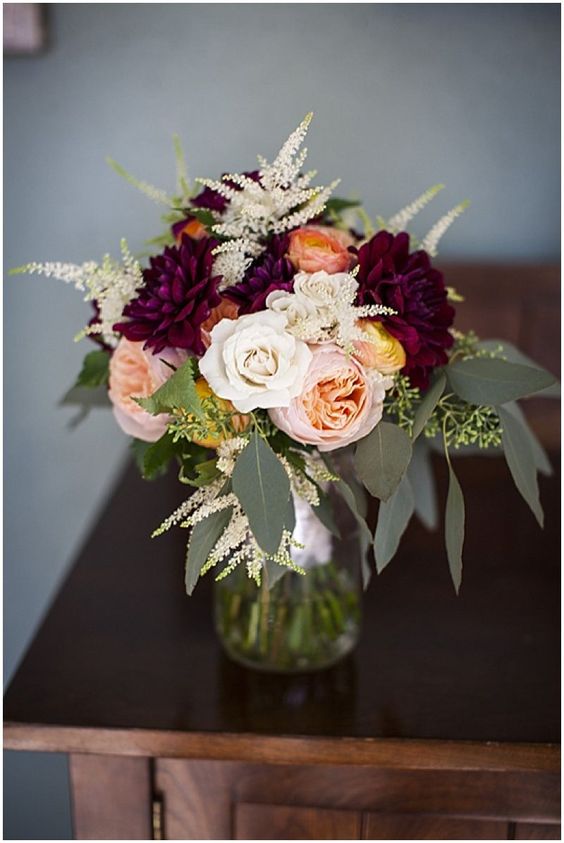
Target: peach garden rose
(339,404)
(320,247)
(136,373)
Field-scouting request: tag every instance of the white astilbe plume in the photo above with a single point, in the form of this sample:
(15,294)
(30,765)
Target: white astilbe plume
(336,318)
(111,284)
(431,239)
(400,220)
(280,200)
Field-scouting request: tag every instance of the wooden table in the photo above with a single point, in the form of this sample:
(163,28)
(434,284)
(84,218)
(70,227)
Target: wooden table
(443,724)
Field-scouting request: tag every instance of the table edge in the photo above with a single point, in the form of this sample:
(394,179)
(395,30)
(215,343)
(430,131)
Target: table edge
(384,753)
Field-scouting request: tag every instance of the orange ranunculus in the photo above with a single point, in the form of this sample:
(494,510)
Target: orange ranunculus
(192,227)
(216,437)
(225,310)
(382,351)
(320,247)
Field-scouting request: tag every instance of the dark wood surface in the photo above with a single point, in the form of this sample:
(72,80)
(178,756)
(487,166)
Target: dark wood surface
(123,648)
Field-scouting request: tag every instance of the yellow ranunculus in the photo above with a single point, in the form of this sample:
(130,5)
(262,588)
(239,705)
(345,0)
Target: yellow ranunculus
(216,437)
(382,351)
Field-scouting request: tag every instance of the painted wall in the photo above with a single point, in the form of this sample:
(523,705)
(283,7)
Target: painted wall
(405,96)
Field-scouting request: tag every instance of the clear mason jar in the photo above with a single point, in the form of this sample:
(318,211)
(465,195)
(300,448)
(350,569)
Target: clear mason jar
(302,622)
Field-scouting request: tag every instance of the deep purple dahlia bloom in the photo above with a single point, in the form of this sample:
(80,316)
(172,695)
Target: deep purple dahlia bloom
(271,271)
(178,294)
(389,274)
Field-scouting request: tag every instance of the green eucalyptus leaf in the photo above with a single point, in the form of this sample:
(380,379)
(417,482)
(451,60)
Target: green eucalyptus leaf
(454,528)
(263,489)
(492,381)
(428,403)
(95,369)
(337,204)
(178,391)
(365,536)
(273,572)
(540,456)
(393,517)
(324,512)
(139,449)
(381,459)
(515,355)
(422,479)
(203,537)
(521,461)
(157,457)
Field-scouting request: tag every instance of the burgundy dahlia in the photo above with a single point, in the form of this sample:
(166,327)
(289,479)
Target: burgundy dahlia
(178,294)
(272,271)
(389,274)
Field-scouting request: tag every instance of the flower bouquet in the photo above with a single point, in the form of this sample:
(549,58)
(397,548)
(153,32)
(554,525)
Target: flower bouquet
(288,354)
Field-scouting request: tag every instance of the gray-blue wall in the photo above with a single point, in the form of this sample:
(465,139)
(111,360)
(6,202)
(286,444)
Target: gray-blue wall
(404,96)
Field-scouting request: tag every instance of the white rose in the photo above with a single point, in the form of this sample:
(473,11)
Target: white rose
(294,308)
(254,362)
(320,288)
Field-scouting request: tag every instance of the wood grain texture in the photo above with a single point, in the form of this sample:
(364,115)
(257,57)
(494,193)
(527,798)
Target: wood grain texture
(111,798)
(198,794)
(537,831)
(384,826)
(286,822)
(482,667)
(384,753)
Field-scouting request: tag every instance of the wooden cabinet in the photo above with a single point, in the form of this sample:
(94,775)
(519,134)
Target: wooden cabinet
(443,724)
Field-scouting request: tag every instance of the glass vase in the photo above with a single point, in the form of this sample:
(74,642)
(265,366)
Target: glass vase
(301,622)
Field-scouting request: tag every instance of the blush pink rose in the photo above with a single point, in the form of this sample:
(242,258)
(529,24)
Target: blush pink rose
(339,403)
(320,247)
(136,373)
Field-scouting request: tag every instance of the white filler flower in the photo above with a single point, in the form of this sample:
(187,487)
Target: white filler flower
(254,362)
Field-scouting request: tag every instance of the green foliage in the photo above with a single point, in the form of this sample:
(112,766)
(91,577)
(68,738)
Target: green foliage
(422,480)
(381,459)
(203,537)
(263,489)
(216,421)
(401,402)
(95,369)
(158,456)
(365,536)
(542,463)
(179,391)
(428,402)
(492,381)
(520,458)
(454,527)
(463,424)
(394,515)
(505,349)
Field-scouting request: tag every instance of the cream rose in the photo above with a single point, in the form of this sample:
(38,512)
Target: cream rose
(254,362)
(294,308)
(320,288)
(340,402)
(136,373)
